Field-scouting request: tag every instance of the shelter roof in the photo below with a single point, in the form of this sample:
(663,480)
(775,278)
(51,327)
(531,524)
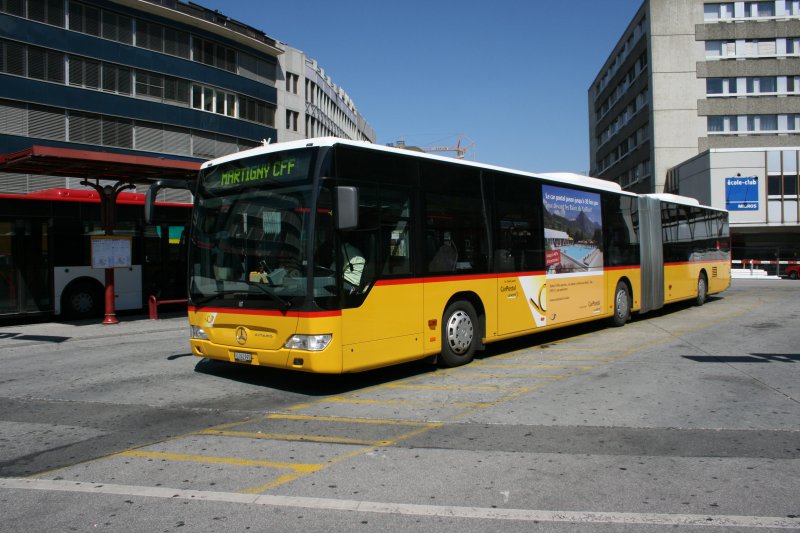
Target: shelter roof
(69,162)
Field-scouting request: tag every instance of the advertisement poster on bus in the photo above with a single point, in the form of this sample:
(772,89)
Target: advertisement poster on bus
(572,288)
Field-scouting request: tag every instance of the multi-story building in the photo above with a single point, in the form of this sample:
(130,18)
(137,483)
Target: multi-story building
(159,78)
(697,93)
(313,105)
(153,77)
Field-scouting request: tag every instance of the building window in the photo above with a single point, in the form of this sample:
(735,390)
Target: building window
(723,124)
(214,100)
(760,48)
(720,49)
(713,12)
(762,85)
(216,55)
(84,72)
(721,86)
(759,9)
(47,11)
(256,69)
(116,79)
(46,65)
(292,81)
(176,90)
(256,111)
(149,85)
(84,19)
(762,123)
(176,43)
(13,7)
(292,119)
(116,27)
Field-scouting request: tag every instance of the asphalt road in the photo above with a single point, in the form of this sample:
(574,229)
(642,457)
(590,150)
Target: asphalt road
(686,419)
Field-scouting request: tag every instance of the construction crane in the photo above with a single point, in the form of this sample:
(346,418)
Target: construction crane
(458,148)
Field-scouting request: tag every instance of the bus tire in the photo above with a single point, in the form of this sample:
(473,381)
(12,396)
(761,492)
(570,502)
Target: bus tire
(459,334)
(622,305)
(82,299)
(702,289)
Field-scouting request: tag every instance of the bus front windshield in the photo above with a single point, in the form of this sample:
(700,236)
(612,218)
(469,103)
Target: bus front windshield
(250,234)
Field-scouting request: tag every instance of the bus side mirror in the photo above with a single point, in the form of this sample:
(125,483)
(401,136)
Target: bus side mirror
(152,192)
(346,213)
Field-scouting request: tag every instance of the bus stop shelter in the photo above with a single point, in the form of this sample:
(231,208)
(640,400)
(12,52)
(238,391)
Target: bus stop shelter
(125,171)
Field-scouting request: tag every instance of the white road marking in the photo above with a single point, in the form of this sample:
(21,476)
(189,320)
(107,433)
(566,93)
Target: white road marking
(442,511)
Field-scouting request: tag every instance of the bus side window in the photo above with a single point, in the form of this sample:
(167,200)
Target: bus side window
(455,225)
(395,231)
(518,232)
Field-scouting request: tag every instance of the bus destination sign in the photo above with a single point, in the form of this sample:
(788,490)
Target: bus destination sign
(272,168)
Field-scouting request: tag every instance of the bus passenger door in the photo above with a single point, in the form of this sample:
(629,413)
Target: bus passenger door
(164,268)
(25,267)
(382,317)
(519,254)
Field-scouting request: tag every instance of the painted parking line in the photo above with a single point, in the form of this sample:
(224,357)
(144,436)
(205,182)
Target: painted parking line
(299,468)
(407,509)
(455,387)
(293,438)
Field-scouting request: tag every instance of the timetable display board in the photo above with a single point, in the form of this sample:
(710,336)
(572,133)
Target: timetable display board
(111,252)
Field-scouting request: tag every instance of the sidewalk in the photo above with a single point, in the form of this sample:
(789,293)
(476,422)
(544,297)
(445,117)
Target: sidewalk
(16,335)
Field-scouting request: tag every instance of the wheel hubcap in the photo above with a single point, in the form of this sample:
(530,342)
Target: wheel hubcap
(82,302)
(622,304)
(459,332)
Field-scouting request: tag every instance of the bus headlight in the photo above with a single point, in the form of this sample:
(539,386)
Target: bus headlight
(311,343)
(196,332)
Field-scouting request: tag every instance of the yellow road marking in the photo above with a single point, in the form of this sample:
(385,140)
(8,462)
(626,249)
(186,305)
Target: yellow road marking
(341,399)
(288,437)
(453,387)
(527,366)
(507,376)
(300,468)
(343,419)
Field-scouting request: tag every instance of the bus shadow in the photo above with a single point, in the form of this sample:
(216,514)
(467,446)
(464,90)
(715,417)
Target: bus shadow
(56,339)
(311,384)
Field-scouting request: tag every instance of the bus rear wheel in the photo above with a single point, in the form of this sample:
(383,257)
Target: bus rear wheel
(459,334)
(83,299)
(622,305)
(702,289)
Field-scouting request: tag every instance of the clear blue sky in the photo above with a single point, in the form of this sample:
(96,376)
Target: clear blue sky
(512,76)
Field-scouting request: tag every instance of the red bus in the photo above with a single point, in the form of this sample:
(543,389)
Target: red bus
(45,255)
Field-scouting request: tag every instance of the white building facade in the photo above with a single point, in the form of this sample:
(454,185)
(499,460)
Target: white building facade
(311,105)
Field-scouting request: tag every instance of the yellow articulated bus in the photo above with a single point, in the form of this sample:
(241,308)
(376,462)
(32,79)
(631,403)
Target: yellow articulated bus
(333,256)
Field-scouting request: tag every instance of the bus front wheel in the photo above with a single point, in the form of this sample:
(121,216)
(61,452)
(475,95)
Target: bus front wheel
(622,305)
(459,334)
(702,289)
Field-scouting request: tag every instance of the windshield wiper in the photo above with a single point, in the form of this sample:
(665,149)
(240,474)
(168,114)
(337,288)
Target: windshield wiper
(283,305)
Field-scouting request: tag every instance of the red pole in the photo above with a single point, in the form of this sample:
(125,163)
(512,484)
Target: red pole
(111,317)
(108,200)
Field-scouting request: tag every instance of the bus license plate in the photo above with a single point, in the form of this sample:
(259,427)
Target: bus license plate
(244,357)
